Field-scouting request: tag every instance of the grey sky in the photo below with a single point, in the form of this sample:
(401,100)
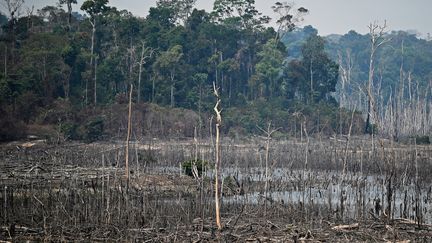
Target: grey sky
(328,16)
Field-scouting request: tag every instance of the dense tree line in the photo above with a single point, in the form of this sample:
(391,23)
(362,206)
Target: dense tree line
(171,58)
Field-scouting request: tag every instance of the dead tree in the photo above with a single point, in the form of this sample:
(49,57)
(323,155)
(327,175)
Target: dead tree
(146,53)
(345,70)
(268,133)
(217,110)
(195,172)
(346,65)
(13,8)
(128,133)
(29,14)
(93,24)
(377,35)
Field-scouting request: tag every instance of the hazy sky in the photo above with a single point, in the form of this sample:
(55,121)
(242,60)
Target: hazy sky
(328,16)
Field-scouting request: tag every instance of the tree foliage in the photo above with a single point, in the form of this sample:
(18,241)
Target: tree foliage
(52,58)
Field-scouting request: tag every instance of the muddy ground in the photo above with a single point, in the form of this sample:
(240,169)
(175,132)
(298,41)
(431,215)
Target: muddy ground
(79,192)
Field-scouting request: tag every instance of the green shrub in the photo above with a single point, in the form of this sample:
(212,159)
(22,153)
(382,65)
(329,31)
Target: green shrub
(69,130)
(187,166)
(372,129)
(422,140)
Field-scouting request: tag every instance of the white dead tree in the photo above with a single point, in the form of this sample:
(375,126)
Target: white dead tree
(406,112)
(130,61)
(217,109)
(129,129)
(378,38)
(345,70)
(146,53)
(346,65)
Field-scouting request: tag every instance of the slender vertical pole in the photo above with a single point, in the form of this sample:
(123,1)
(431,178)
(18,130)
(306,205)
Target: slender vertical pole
(95,80)
(128,133)
(5,205)
(217,110)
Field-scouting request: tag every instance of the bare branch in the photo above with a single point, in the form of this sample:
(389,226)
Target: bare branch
(377,34)
(287,20)
(13,7)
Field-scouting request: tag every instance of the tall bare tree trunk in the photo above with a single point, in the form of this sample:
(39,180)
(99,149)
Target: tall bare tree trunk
(172,96)
(141,63)
(217,110)
(266,171)
(128,133)
(311,81)
(93,24)
(369,119)
(5,62)
(377,35)
(172,103)
(153,88)
(345,69)
(95,83)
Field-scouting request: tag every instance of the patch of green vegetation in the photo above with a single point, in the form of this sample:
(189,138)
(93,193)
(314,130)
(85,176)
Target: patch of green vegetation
(229,182)
(188,165)
(422,140)
(372,129)
(69,130)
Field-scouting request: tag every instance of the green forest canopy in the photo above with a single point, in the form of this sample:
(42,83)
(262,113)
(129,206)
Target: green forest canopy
(173,56)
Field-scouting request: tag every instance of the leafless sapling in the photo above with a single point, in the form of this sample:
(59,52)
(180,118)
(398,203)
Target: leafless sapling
(217,109)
